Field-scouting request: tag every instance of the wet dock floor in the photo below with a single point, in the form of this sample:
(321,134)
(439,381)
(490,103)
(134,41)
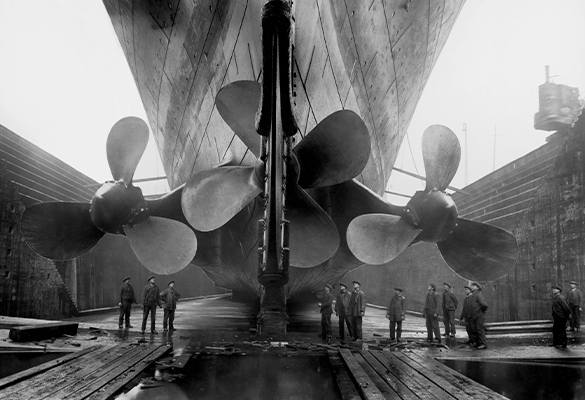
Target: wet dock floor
(217,354)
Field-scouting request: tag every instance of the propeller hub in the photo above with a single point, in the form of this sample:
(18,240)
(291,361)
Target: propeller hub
(115,205)
(434,212)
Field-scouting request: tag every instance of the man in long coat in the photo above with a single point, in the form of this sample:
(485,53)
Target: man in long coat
(431,313)
(449,306)
(574,300)
(169,297)
(396,314)
(326,310)
(466,316)
(126,299)
(477,309)
(342,311)
(561,313)
(150,299)
(357,310)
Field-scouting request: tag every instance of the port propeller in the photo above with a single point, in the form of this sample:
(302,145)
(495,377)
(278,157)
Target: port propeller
(473,250)
(62,231)
(335,151)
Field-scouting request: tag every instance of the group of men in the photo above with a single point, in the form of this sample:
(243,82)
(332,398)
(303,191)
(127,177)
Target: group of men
(349,307)
(151,299)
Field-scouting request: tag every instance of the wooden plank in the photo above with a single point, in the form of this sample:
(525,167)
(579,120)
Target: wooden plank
(55,377)
(81,381)
(419,390)
(367,388)
(344,381)
(437,380)
(128,375)
(42,331)
(12,379)
(403,391)
(378,380)
(460,381)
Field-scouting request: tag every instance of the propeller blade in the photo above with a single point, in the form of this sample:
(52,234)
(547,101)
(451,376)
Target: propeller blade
(478,251)
(211,198)
(441,154)
(59,230)
(125,145)
(335,151)
(313,235)
(162,245)
(237,104)
(379,238)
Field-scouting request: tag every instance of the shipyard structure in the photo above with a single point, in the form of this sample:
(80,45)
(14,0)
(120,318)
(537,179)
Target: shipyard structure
(539,197)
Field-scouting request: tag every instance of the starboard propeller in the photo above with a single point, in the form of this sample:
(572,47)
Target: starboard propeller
(335,151)
(473,250)
(62,231)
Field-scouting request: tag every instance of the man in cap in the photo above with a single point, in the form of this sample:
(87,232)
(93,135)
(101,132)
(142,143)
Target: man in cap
(326,311)
(449,306)
(150,299)
(126,299)
(169,297)
(357,310)
(477,309)
(396,314)
(342,310)
(431,313)
(574,300)
(560,312)
(466,316)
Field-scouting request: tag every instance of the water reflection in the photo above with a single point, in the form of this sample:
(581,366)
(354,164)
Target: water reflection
(535,380)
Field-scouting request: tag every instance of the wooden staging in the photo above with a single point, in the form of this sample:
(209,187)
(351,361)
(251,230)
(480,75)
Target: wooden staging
(94,373)
(378,375)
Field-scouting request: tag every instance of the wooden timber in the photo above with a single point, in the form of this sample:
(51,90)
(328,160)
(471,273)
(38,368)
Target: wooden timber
(406,375)
(94,373)
(42,331)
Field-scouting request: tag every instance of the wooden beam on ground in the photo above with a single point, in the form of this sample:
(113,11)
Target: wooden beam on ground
(400,388)
(378,379)
(28,373)
(366,386)
(48,330)
(131,373)
(344,381)
(458,380)
(413,384)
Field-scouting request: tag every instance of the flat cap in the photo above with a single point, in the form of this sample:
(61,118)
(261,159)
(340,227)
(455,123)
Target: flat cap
(560,289)
(150,277)
(343,284)
(477,285)
(127,278)
(397,288)
(329,286)
(433,286)
(169,284)
(357,282)
(446,284)
(574,283)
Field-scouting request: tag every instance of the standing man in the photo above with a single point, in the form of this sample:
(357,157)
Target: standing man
(477,309)
(326,311)
(466,315)
(126,299)
(342,311)
(431,313)
(560,312)
(396,314)
(574,299)
(169,297)
(449,306)
(357,309)
(150,299)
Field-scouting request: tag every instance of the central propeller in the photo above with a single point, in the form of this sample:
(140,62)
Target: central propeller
(335,151)
(62,231)
(474,250)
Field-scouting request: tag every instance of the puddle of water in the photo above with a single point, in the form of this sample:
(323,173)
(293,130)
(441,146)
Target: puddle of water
(11,363)
(250,376)
(538,379)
